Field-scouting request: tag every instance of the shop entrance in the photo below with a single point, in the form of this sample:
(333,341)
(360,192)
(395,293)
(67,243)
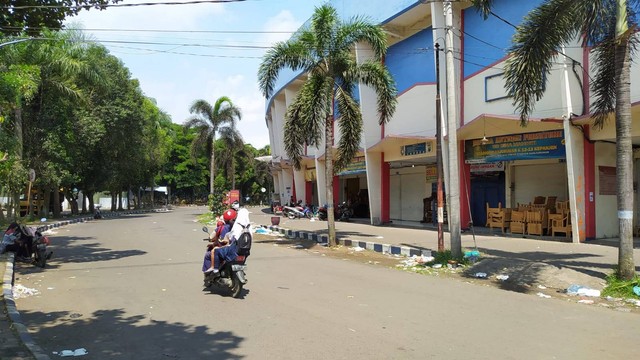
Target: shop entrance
(486,188)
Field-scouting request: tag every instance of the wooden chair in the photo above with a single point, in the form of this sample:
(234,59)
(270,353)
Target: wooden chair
(539,200)
(536,222)
(518,222)
(552,216)
(491,210)
(562,225)
(551,202)
(498,217)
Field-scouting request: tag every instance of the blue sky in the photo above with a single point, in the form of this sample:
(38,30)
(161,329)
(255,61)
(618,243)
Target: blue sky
(193,62)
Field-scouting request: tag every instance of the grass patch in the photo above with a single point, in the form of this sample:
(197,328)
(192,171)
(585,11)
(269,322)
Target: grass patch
(445,257)
(619,288)
(206,218)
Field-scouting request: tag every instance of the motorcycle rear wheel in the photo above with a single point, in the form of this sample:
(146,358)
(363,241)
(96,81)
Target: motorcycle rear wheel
(236,286)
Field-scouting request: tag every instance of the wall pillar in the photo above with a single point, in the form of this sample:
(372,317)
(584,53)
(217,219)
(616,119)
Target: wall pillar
(373,162)
(465,189)
(321,182)
(298,184)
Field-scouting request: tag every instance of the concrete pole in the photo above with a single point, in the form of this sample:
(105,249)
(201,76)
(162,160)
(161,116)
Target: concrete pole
(569,148)
(452,125)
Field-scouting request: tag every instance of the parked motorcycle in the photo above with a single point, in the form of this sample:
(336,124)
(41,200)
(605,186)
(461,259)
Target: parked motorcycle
(231,275)
(292,212)
(40,253)
(343,213)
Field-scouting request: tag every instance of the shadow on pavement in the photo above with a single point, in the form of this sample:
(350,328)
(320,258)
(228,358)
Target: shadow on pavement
(156,340)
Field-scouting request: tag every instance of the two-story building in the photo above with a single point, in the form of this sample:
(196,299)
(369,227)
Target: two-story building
(557,154)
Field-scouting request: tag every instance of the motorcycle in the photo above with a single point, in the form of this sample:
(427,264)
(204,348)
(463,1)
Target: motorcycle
(292,212)
(40,253)
(231,275)
(343,212)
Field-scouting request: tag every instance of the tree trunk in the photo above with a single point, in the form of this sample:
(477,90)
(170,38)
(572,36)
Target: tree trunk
(120,208)
(328,158)
(624,160)
(212,166)
(56,203)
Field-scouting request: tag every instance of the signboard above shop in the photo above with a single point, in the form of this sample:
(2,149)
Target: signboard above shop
(416,149)
(527,146)
(356,166)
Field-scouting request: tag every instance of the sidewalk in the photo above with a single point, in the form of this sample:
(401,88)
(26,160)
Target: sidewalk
(531,260)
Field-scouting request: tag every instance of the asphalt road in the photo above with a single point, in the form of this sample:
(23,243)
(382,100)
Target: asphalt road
(131,288)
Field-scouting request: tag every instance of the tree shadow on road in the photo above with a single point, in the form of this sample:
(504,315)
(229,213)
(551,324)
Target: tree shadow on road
(79,249)
(543,268)
(109,333)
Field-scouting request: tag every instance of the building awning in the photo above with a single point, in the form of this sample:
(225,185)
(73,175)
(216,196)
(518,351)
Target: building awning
(391,142)
(497,125)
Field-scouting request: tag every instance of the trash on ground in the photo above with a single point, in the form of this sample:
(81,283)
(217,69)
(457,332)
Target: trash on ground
(357,248)
(541,287)
(20,291)
(416,260)
(634,301)
(262,231)
(480,275)
(582,291)
(543,295)
(437,266)
(589,302)
(636,290)
(298,246)
(76,352)
(472,256)
(502,277)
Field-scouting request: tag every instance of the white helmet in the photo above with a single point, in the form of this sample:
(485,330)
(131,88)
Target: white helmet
(235,205)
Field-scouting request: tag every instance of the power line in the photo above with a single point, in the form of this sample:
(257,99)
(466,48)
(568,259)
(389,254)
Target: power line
(101,6)
(11,28)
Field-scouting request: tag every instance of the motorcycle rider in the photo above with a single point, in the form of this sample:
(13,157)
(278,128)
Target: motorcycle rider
(228,252)
(218,239)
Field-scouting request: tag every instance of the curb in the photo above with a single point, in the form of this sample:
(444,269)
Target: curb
(7,283)
(377,247)
(14,314)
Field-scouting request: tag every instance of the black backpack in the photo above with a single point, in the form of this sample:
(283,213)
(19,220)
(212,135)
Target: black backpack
(243,243)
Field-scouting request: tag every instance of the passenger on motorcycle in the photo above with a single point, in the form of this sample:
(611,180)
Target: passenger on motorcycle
(218,239)
(229,252)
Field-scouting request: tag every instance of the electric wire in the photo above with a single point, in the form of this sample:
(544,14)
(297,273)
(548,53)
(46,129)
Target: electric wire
(100,6)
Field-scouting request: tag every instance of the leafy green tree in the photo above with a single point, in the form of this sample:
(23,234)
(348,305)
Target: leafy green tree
(605,26)
(31,17)
(211,121)
(324,50)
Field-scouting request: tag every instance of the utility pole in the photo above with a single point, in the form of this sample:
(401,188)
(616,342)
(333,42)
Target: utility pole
(439,168)
(452,126)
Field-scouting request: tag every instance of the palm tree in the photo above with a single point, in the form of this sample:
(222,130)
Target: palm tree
(604,25)
(230,145)
(210,121)
(324,51)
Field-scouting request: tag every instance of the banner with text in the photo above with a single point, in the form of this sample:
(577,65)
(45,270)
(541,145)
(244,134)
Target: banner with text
(528,146)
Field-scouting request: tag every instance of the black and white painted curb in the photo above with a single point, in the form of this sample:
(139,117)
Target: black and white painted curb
(377,247)
(7,282)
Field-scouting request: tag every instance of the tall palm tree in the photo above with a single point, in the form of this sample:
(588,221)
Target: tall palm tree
(210,121)
(604,25)
(324,51)
(230,146)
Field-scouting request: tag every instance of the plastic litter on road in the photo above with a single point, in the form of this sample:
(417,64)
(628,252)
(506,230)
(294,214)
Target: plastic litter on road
(357,248)
(68,353)
(502,277)
(480,275)
(636,290)
(545,296)
(20,292)
(582,291)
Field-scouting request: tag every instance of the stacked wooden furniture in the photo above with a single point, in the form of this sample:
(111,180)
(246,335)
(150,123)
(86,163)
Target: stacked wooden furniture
(518,222)
(561,221)
(498,217)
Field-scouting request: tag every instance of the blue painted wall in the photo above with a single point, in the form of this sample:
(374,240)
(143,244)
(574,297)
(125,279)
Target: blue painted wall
(487,41)
(378,11)
(411,61)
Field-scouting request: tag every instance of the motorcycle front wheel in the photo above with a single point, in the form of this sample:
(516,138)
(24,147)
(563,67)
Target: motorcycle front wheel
(236,286)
